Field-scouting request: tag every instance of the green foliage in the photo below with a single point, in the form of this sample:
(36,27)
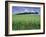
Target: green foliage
(25,22)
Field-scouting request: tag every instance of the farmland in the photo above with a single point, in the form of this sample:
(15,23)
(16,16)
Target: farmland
(25,22)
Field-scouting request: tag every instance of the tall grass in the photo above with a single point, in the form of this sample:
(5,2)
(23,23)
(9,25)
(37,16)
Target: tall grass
(25,22)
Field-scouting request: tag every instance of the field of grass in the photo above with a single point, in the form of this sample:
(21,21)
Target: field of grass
(25,22)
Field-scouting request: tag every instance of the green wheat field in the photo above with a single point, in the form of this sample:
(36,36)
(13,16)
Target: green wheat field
(25,22)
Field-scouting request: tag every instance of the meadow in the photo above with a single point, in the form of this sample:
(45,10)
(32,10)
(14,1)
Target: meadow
(25,22)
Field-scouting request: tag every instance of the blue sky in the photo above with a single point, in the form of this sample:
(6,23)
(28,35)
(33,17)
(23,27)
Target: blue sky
(21,9)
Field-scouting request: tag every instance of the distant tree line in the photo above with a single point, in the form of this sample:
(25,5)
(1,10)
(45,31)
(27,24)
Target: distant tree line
(28,13)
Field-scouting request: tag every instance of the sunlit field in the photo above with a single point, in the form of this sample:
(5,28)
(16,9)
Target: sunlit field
(25,22)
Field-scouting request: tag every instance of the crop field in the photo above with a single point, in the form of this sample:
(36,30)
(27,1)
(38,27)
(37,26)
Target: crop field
(25,22)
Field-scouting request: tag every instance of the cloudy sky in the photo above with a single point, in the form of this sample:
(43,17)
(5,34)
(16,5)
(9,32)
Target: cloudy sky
(18,9)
